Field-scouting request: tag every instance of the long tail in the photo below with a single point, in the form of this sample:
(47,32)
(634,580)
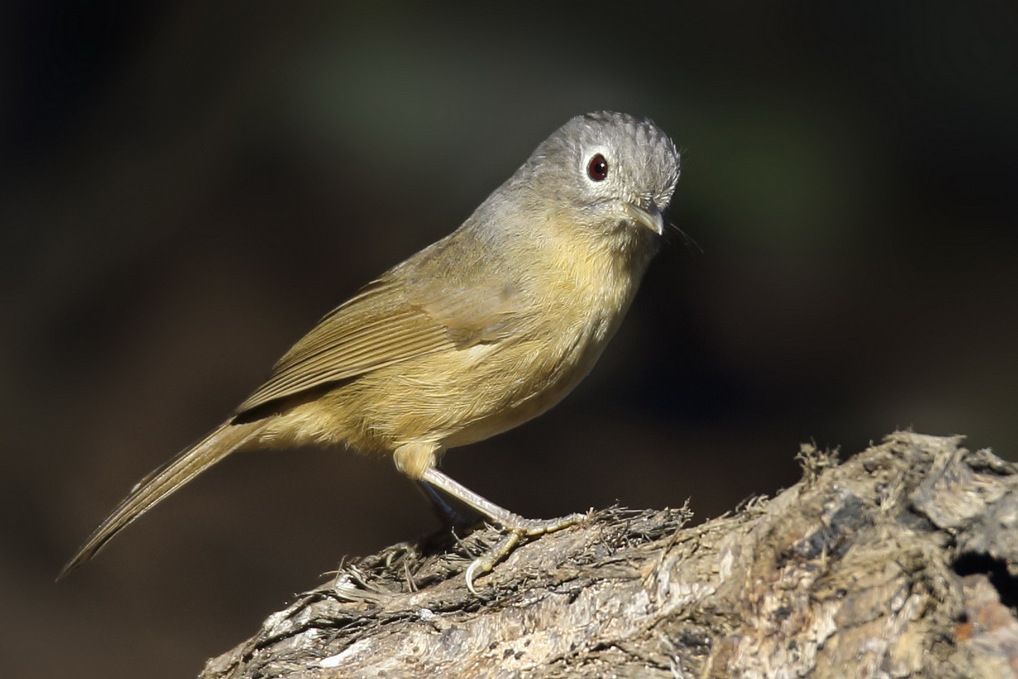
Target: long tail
(162,482)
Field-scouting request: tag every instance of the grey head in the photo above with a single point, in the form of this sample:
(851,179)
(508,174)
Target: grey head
(609,175)
(611,169)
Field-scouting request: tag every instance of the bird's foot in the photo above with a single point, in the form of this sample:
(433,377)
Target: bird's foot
(518,529)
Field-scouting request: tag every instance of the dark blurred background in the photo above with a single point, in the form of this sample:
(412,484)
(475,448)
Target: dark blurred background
(185,189)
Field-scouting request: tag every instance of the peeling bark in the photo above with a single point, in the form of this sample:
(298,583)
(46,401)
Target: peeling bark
(902,561)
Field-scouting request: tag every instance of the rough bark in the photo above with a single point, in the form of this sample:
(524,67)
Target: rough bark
(902,561)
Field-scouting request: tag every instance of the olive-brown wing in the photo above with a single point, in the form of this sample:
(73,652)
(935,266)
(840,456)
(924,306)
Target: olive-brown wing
(382,325)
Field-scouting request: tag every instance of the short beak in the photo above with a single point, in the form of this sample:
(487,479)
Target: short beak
(649,217)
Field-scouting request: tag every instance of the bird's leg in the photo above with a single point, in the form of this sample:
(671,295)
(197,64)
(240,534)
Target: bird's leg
(443,508)
(413,459)
(518,527)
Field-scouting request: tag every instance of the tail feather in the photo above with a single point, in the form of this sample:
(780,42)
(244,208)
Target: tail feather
(162,482)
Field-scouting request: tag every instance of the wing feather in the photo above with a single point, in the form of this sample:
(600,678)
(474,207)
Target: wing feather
(376,328)
(435,301)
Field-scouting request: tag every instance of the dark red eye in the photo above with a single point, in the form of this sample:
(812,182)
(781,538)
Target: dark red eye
(597,168)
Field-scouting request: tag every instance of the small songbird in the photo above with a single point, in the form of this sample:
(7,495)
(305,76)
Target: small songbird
(473,335)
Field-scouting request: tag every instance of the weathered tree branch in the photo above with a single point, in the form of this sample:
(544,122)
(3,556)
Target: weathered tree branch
(902,561)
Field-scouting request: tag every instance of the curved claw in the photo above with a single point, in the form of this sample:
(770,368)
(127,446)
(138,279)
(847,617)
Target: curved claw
(471,569)
(484,564)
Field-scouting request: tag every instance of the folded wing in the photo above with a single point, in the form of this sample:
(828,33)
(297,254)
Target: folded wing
(386,323)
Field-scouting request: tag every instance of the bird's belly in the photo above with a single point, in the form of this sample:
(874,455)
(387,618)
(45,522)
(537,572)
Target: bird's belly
(531,390)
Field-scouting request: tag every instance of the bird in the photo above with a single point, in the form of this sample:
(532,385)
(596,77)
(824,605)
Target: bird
(473,335)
